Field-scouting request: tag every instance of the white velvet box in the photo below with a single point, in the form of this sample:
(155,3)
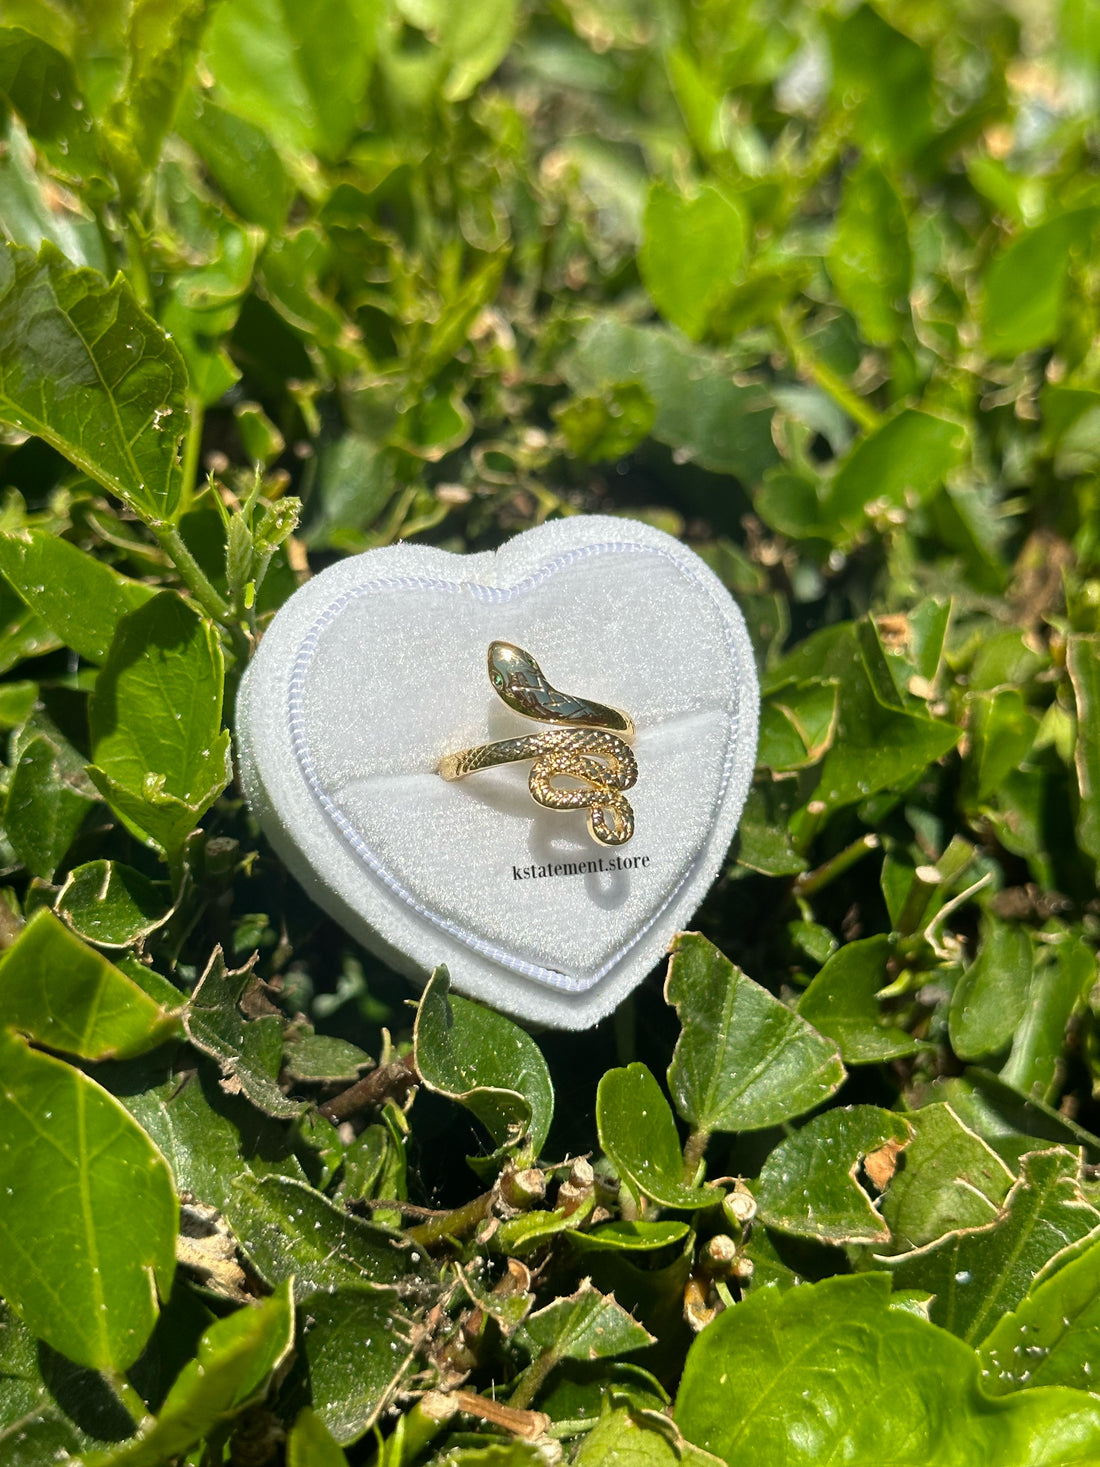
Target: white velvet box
(377,667)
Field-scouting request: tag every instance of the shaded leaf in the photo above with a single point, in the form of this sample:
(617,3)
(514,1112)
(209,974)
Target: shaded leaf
(990,998)
(743,1060)
(83,367)
(47,800)
(830,1371)
(80,1282)
(485,1062)
(111,904)
(585,1326)
(356,1346)
(842,1002)
(1083,666)
(808,1184)
(870,262)
(310,1444)
(235,1361)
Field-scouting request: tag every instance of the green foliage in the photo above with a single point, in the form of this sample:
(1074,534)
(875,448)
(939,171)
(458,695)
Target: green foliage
(813,286)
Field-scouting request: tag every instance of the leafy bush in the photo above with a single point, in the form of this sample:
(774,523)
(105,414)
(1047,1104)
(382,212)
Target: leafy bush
(815,288)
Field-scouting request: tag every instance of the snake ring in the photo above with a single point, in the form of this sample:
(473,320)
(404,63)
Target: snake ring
(588,743)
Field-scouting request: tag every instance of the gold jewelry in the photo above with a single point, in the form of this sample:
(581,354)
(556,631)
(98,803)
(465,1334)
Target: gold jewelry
(589,744)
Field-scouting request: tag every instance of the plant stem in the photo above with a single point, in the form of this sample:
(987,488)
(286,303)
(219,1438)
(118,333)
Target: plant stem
(128,1397)
(811,881)
(135,251)
(694,1147)
(192,445)
(532,1381)
(191,573)
(452,1224)
(808,365)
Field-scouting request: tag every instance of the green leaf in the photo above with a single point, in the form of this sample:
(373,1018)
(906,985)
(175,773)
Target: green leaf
(990,999)
(290,1231)
(1060,983)
(831,1372)
(900,464)
(83,367)
(72,1163)
(629,1237)
(950,1180)
(691,255)
(883,81)
(797,726)
(111,904)
(842,1002)
(79,598)
(356,1346)
(870,261)
(585,1326)
(155,719)
(39,83)
(1083,666)
(743,1060)
(216,1026)
(701,412)
(310,1443)
(67,996)
(485,1062)
(46,803)
(1052,1337)
(808,1185)
(300,79)
(1002,730)
(241,159)
(979,1274)
(472,41)
(322,1057)
(631,1437)
(607,424)
(1024,288)
(236,1359)
(638,1132)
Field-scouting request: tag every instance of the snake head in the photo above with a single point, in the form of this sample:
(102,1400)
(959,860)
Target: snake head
(511,668)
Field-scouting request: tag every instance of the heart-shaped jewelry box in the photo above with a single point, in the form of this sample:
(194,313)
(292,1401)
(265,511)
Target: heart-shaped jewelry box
(376,669)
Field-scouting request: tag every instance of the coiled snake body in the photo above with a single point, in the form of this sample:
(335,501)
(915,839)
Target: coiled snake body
(588,743)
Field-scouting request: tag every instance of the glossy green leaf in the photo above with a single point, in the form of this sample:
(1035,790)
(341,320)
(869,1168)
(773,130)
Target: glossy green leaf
(1052,1337)
(517,1237)
(47,800)
(991,997)
(485,1062)
(64,994)
(584,1326)
(979,1274)
(96,377)
(79,598)
(842,1002)
(356,1347)
(87,1288)
(288,1230)
(629,1237)
(638,1132)
(870,262)
(155,719)
(1025,285)
(950,1179)
(1083,666)
(831,1372)
(235,1361)
(691,254)
(111,904)
(39,83)
(902,463)
(701,413)
(743,1060)
(310,1443)
(808,1184)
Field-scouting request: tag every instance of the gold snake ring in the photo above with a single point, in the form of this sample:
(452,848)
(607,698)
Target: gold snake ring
(588,743)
